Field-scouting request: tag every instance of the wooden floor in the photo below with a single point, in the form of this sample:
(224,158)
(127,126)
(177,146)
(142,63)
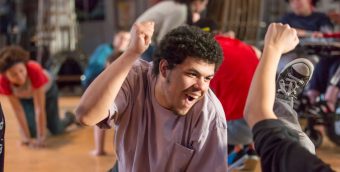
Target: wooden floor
(70,152)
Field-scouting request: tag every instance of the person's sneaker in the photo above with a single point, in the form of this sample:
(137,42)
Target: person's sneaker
(236,159)
(69,118)
(293,78)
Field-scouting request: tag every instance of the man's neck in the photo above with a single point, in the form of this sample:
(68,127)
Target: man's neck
(159,93)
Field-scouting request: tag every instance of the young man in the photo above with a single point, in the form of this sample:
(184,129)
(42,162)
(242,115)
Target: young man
(276,144)
(166,118)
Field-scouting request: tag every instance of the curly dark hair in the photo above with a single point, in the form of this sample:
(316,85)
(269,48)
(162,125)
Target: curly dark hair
(187,41)
(12,55)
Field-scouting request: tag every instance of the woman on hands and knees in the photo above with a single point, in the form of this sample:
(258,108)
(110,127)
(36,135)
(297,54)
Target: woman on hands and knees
(33,94)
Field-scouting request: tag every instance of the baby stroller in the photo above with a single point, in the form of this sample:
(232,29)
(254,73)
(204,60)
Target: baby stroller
(319,113)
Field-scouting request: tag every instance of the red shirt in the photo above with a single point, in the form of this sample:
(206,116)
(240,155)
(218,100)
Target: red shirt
(35,74)
(232,81)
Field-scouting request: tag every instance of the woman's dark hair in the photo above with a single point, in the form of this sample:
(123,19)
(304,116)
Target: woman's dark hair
(11,55)
(187,41)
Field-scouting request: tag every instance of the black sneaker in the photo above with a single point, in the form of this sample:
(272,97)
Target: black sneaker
(69,119)
(293,78)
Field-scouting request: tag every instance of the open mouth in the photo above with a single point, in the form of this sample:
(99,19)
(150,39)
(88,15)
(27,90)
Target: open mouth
(190,98)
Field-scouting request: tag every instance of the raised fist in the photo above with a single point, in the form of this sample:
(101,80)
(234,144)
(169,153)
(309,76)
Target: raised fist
(141,34)
(282,37)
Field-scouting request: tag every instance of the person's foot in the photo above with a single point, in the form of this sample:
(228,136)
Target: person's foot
(69,118)
(293,78)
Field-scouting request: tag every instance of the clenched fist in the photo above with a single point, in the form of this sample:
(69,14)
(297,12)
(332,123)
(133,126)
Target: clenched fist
(141,34)
(281,37)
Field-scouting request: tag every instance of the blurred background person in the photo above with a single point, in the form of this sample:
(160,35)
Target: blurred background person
(306,20)
(97,60)
(33,94)
(168,15)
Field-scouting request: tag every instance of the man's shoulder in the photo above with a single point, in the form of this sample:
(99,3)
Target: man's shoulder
(141,66)
(139,72)
(212,107)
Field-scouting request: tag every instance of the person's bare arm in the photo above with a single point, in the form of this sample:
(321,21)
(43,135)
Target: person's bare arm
(307,34)
(40,115)
(99,96)
(22,121)
(260,101)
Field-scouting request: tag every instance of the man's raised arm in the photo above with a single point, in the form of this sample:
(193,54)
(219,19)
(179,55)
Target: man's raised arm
(99,96)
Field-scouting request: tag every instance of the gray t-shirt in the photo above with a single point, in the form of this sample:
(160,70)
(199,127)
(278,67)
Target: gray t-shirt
(167,15)
(150,138)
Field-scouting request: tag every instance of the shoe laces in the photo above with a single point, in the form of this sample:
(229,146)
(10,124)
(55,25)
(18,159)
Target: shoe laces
(289,85)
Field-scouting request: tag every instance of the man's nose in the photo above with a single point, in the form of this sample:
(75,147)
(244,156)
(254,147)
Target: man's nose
(201,84)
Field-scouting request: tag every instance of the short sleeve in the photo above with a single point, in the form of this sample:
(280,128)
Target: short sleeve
(36,74)
(117,108)
(5,88)
(123,102)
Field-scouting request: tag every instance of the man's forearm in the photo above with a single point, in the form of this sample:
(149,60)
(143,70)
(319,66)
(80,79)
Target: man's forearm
(262,91)
(99,96)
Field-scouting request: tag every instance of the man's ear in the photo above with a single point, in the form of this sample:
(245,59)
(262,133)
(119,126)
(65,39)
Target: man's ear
(163,67)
